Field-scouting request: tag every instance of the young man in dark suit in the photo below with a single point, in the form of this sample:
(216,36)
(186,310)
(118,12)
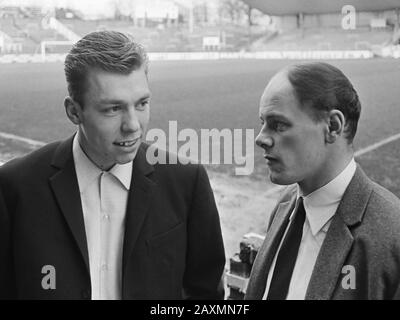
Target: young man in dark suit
(90,217)
(334,233)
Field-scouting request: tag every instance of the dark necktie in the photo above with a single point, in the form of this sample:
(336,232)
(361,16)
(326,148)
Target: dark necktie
(287,256)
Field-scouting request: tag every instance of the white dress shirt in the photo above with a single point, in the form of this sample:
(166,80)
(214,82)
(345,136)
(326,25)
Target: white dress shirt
(320,207)
(104,197)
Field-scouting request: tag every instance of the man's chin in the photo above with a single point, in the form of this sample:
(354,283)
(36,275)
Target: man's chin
(126,158)
(279,179)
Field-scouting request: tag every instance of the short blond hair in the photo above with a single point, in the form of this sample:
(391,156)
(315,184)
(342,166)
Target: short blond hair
(111,51)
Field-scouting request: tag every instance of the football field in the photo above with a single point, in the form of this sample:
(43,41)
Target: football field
(205,95)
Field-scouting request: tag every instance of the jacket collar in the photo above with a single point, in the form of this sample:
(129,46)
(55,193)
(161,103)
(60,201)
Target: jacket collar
(64,184)
(63,153)
(334,250)
(355,198)
(65,187)
(258,279)
(339,239)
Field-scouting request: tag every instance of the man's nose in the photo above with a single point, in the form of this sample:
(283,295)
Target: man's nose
(130,122)
(263,140)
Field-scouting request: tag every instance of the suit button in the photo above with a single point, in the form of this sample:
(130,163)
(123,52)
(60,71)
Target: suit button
(86,294)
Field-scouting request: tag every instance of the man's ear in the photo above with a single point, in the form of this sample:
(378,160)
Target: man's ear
(336,124)
(73,110)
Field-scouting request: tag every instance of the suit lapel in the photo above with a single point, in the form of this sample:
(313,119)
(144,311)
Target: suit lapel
(328,266)
(140,197)
(265,256)
(339,240)
(66,190)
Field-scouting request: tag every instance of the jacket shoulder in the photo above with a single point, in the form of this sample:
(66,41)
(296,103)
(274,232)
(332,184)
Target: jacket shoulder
(382,196)
(378,232)
(376,209)
(377,237)
(384,208)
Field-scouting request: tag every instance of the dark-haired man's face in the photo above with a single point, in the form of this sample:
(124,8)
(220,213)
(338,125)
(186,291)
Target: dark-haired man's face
(114,117)
(293,143)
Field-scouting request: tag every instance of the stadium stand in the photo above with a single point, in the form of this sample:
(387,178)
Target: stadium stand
(317,25)
(29,27)
(162,39)
(323,39)
(23,30)
(29,30)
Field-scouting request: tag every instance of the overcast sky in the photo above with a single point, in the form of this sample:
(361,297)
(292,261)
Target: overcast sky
(90,6)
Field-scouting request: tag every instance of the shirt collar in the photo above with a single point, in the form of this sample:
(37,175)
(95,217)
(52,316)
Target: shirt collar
(123,172)
(321,204)
(87,171)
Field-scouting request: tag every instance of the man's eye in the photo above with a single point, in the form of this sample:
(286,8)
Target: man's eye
(112,109)
(279,126)
(142,105)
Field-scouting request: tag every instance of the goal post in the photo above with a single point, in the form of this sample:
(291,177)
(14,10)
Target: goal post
(47,44)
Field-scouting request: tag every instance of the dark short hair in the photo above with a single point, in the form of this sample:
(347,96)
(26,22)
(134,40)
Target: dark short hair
(110,51)
(324,87)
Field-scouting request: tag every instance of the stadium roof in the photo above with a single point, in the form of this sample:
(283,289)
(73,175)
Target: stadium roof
(291,7)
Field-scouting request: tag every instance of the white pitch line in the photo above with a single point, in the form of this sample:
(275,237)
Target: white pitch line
(31,142)
(377,145)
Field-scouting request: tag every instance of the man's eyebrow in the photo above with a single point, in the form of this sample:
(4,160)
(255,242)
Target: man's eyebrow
(145,97)
(118,101)
(276,116)
(111,101)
